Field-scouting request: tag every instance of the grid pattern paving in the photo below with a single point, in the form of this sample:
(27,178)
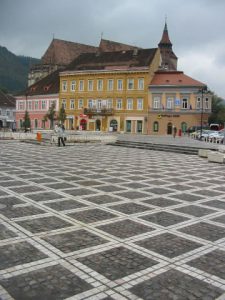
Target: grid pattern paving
(102,222)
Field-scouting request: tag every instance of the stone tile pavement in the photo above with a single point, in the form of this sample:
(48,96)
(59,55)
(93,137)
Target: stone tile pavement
(93,221)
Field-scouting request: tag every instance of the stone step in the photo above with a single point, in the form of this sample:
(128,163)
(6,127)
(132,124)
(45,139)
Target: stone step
(157,147)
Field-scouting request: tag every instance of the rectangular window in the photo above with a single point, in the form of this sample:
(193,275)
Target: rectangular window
(43,104)
(8,113)
(198,103)
(99,104)
(80,103)
(64,103)
(99,84)
(110,85)
(72,104)
(206,103)
(51,103)
(81,85)
(109,103)
(129,103)
(90,103)
(120,84)
(184,103)
(73,85)
(64,86)
(119,104)
(169,103)
(156,103)
(140,104)
(21,105)
(36,105)
(90,85)
(130,83)
(140,83)
(29,105)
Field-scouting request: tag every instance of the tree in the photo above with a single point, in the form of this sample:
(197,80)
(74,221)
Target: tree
(4,90)
(62,115)
(51,115)
(26,122)
(218,110)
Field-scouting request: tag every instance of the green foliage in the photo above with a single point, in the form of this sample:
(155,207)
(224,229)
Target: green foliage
(14,70)
(51,115)
(62,115)
(26,122)
(218,110)
(4,90)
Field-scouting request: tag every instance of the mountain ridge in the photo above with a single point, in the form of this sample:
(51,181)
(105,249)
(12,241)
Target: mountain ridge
(14,70)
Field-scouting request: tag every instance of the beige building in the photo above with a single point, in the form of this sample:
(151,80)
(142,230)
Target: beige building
(176,99)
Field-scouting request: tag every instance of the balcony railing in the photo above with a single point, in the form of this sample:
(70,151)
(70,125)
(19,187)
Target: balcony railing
(99,111)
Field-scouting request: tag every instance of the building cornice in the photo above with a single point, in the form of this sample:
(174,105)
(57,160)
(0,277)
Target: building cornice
(92,72)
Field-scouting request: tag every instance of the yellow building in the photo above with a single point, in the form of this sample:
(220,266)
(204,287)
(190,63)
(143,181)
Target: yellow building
(108,91)
(177,100)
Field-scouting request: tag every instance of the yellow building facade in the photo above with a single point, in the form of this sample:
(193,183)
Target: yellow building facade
(111,95)
(177,100)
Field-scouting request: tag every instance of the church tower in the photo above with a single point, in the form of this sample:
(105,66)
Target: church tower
(169,59)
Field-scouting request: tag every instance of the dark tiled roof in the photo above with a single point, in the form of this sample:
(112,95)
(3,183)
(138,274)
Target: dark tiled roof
(111,46)
(46,86)
(62,52)
(7,100)
(103,60)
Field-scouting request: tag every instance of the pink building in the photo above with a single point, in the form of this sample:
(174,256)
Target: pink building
(37,100)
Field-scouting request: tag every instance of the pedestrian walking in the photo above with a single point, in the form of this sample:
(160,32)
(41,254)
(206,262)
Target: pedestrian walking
(60,134)
(174,131)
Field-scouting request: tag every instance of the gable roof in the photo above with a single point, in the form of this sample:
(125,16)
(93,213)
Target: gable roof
(174,78)
(62,52)
(108,60)
(111,46)
(7,100)
(46,86)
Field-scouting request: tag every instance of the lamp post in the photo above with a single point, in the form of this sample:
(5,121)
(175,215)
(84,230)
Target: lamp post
(203,91)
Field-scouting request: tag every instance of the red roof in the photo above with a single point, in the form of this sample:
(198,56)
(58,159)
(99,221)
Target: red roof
(174,78)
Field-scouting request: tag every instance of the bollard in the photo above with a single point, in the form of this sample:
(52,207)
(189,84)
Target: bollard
(39,137)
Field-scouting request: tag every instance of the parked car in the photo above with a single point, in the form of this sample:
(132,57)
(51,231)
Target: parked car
(200,135)
(216,137)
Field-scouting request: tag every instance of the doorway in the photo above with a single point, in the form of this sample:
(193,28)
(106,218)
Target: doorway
(114,125)
(139,126)
(98,125)
(83,124)
(169,128)
(128,126)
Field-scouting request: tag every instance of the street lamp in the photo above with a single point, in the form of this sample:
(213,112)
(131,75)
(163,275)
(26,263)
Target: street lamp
(203,91)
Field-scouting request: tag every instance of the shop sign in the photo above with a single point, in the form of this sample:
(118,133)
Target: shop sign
(167,116)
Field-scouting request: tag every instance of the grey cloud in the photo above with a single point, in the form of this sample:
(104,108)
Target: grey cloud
(27,26)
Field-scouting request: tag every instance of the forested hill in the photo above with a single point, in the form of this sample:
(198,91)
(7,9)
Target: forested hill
(14,70)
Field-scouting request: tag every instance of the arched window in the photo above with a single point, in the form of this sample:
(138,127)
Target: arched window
(184,127)
(156,126)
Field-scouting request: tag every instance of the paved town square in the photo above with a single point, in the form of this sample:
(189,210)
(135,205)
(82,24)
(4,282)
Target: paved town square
(94,221)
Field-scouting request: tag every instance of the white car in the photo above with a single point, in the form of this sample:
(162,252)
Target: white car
(216,136)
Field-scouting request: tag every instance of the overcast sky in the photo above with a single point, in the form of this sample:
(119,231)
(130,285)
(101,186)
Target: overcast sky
(196,29)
